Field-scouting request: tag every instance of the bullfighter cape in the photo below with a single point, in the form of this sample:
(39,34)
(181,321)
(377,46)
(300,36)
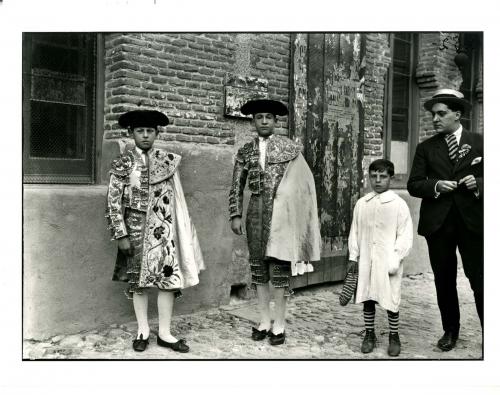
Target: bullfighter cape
(295,234)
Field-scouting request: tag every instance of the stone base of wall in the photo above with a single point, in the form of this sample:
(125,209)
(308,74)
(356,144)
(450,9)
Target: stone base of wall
(68,262)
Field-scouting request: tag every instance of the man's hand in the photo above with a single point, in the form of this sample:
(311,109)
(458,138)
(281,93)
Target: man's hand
(470,182)
(236,225)
(125,246)
(352,266)
(445,186)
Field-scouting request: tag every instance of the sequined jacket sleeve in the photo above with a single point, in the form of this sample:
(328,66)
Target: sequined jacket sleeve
(240,174)
(119,176)
(114,212)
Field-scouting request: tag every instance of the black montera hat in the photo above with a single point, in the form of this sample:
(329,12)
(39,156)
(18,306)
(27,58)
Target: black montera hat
(144,118)
(447,96)
(264,105)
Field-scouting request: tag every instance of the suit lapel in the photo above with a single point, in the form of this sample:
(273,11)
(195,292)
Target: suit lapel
(441,156)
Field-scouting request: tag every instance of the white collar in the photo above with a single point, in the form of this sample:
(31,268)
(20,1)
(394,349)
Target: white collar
(384,197)
(262,139)
(458,133)
(141,153)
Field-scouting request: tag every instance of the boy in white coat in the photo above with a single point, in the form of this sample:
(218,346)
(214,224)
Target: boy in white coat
(381,237)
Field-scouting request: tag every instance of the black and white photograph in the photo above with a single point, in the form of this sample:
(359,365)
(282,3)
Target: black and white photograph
(305,199)
(324,138)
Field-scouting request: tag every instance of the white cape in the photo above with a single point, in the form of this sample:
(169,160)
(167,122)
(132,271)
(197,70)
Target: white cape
(188,246)
(295,232)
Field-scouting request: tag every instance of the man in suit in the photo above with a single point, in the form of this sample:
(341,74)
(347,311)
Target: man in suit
(447,173)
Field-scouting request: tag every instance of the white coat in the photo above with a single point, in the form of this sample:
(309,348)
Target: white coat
(381,237)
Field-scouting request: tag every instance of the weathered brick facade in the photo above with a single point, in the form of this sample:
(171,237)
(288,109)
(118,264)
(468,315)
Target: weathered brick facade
(180,74)
(377,63)
(270,59)
(436,69)
(184,76)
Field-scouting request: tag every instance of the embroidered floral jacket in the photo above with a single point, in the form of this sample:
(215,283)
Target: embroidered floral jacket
(130,184)
(170,254)
(279,151)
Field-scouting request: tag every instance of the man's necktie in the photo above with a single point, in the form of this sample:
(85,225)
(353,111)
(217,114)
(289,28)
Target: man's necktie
(451,140)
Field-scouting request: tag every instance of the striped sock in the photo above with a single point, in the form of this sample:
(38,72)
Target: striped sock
(393,321)
(369,317)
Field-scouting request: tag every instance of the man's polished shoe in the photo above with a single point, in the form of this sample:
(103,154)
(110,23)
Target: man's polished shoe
(369,341)
(259,335)
(140,344)
(394,345)
(179,345)
(275,340)
(448,341)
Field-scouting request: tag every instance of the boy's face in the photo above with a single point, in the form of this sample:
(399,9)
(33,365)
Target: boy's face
(380,181)
(144,137)
(264,123)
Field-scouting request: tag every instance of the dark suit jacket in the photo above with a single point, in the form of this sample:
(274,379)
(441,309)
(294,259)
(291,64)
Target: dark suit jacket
(431,164)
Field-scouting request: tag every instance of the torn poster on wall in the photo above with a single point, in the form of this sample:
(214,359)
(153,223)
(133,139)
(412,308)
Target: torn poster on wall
(239,89)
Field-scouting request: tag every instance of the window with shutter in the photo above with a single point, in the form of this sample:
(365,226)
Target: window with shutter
(401,105)
(59,83)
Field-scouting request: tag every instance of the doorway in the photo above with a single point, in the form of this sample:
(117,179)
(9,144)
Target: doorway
(327,117)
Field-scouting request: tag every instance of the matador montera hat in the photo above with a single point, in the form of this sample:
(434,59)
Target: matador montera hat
(446,96)
(264,105)
(144,118)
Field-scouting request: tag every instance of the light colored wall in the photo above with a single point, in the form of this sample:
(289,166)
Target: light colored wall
(418,259)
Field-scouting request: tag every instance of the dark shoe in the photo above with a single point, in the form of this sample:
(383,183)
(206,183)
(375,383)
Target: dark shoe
(179,345)
(448,341)
(275,340)
(140,344)
(259,335)
(368,342)
(394,345)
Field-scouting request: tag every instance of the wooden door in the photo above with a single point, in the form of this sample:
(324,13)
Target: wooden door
(327,117)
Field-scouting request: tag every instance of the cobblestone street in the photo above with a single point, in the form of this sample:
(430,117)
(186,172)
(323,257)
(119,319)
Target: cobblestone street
(318,328)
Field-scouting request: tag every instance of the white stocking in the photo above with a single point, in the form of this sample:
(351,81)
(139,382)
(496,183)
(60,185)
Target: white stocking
(263,297)
(280,310)
(141,314)
(165,308)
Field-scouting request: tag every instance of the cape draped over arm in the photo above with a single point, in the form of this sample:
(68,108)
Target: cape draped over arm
(295,232)
(188,246)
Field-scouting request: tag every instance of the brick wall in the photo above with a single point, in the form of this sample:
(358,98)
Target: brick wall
(479,95)
(436,69)
(377,63)
(183,75)
(270,59)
